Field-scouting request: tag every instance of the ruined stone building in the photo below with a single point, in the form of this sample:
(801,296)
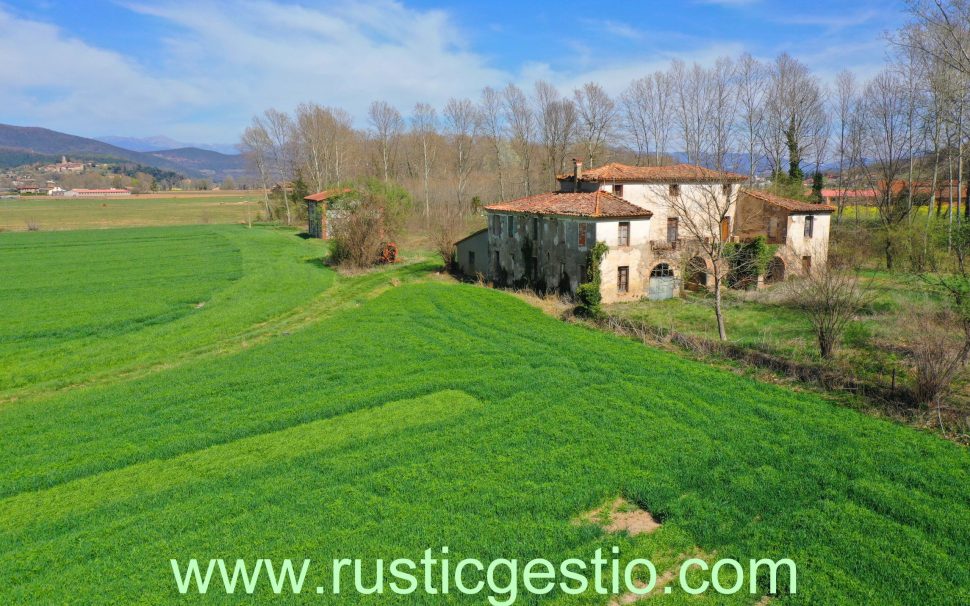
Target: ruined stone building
(652,220)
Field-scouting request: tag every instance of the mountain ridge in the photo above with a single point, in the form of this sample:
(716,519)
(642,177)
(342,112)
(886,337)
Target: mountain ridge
(42,143)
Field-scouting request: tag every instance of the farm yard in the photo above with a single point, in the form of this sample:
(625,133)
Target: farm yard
(217,391)
(44,213)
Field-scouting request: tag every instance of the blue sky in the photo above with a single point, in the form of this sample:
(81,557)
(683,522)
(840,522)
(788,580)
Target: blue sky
(197,70)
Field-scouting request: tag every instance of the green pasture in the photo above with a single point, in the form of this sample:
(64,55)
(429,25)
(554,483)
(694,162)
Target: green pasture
(56,214)
(87,304)
(403,412)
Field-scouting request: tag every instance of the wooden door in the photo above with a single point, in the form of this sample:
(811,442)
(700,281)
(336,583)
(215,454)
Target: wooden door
(725,229)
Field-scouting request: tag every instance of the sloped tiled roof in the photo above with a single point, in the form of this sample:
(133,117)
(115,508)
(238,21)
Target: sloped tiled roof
(327,194)
(676,173)
(787,203)
(572,204)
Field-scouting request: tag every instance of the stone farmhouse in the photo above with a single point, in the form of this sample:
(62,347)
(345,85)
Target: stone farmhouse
(642,214)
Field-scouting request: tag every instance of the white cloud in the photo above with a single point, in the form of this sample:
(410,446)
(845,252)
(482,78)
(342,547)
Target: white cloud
(53,79)
(261,54)
(223,61)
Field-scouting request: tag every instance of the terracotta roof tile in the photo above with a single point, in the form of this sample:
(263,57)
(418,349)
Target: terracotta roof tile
(676,173)
(788,203)
(582,204)
(327,194)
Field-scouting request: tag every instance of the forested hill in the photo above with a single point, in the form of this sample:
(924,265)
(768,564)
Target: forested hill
(26,144)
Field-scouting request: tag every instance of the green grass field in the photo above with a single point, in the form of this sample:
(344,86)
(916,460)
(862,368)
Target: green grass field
(398,412)
(54,214)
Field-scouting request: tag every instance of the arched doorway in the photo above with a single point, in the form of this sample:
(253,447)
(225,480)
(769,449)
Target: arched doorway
(696,278)
(661,285)
(776,271)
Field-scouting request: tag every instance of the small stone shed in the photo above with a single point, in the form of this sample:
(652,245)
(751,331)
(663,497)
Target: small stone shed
(317,207)
(471,253)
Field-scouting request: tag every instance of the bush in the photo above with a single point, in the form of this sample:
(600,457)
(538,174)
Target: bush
(356,236)
(588,294)
(938,355)
(364,221)
(748,260)
(829,298)
(447,227)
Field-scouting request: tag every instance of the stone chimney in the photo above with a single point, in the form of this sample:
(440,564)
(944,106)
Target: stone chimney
(577,171)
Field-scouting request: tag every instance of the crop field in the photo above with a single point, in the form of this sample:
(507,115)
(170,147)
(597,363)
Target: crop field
(311,415)
(53,214)
(87,304)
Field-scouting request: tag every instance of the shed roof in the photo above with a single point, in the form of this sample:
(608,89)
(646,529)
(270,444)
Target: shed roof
(472,235)
(327,194)
(573,204)
(788,204)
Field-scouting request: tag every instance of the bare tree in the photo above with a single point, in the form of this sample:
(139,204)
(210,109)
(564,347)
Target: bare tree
(829,298)
(521,121)
(723,108)
(646,111)
(424,125)
(491,115)
(887,144)
(255,146)
(557,126)
(597,116)
(752,82)
(388,125)
(660,114)
(461,123)
(279,127)
(636,102)
(692,108)
(847,144)
(702,209)
(794,107)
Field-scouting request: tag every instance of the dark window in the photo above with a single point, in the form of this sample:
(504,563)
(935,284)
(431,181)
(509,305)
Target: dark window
(662,271)
(496,225)
(726,189)
(511,225)
(809,226)
(471,260)
(806,265)
(498,264)
(618,190)
(623,237)
(582,234)
(674,189)
(535,228)
(623,279)
(672,227)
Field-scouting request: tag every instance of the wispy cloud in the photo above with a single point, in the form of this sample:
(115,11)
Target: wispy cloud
(833,21)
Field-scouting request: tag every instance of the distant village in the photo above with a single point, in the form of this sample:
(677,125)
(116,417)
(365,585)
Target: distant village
(74,179)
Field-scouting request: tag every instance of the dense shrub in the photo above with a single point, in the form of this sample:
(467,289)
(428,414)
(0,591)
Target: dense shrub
(748,260)
(588,294)
(364,220)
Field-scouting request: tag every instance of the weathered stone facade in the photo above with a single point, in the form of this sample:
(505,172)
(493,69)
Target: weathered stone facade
(543,242)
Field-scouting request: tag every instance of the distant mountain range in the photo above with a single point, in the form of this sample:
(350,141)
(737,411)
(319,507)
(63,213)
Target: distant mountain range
(162,143)
(25,144)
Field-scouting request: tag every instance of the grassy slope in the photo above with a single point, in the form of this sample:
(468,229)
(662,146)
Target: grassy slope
(107,483)
(53,214)
(85,305)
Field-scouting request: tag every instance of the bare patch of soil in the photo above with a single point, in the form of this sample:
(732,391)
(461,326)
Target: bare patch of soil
(621,516)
